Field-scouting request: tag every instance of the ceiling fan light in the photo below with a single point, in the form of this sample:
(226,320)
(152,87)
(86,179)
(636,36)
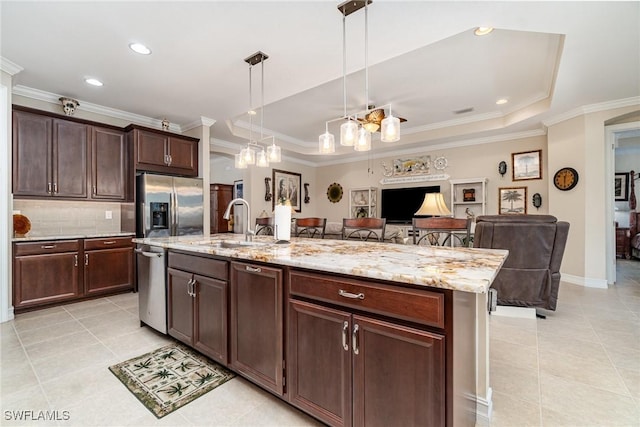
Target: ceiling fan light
(390,129)
(261,160)
(364,140)
(371,127)
(348,133)
(248,156)
(274,153)
(326,143)
(239,162)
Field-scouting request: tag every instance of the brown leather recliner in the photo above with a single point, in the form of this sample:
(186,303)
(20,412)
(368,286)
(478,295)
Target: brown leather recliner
(530,276)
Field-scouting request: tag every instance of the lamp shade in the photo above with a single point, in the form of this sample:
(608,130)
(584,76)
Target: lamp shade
(274,153)
(364,140)
(348,133)
(434,205)
(261,160)
(390,131)
(239,162)
(326,143)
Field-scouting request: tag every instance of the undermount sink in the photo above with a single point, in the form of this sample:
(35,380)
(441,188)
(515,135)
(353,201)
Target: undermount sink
(231,244)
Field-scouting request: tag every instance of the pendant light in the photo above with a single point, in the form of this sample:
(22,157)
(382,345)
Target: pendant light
(326,142)
(254,153)
(390,128)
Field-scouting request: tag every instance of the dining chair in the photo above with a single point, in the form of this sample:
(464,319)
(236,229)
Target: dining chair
(364,228)
(264,226)
(310,227)
(440,231)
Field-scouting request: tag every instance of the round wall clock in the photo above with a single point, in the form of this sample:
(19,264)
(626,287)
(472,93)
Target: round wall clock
(440,163)
(334,192)
(565,179)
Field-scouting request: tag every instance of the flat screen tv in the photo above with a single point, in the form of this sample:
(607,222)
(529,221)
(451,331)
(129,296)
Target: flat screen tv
(399,204)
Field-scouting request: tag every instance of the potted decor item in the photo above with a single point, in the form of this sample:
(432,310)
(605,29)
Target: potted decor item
(21,225)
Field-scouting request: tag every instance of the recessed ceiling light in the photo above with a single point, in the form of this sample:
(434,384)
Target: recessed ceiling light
(502,101)
(93,82)
(140,48)
(483,31)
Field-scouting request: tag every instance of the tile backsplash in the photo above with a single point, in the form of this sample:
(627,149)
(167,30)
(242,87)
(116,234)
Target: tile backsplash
(62,217)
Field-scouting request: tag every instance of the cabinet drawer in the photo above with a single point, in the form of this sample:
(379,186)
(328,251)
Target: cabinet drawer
(213,268)
(413,305)
(107,243)
(46,247)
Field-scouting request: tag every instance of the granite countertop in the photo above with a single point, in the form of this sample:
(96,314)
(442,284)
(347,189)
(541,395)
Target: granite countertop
(461,269)
(74,236)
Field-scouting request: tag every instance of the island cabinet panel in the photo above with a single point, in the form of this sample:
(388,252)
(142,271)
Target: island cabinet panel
(108,265)
(110,165)
(256,329)
(50,156)
(197,303)
(46,272)
(163,152)
(353,359)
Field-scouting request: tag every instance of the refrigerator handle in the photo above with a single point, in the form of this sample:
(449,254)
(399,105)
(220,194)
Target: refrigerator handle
(145,220)
(175,214)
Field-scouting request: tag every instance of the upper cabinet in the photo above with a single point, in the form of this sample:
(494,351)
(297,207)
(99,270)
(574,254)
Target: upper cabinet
(69,159)
(163,152)
(49,156)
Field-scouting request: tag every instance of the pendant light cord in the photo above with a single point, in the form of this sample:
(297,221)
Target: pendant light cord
(366,56)
(344,63)
(262,100)
(250,106)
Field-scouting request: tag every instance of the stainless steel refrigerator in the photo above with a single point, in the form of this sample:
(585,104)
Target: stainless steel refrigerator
(168,206)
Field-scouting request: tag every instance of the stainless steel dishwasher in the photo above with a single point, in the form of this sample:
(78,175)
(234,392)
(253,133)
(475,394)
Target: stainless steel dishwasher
(152,289)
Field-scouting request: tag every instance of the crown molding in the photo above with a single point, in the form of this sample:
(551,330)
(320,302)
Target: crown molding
(9,67)
(202,121)
(53,98)
(592,108)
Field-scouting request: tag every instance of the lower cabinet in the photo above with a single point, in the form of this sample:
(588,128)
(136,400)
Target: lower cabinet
(57,271)
(256,325)
(108,265)
(46,272)
(197,304)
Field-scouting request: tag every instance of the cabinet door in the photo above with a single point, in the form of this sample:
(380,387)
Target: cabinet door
(70,161)
(32,139)
(183,154)
(398,375)
(109,166)
(108,270)
(179,305)
(43,279)
(319,362)
(151,150)
(220,196)
(210,331)
(256,324)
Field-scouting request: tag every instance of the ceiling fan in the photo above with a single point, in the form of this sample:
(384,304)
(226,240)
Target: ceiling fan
(373,119)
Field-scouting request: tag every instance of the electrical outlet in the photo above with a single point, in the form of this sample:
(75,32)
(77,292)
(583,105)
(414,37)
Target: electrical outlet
(108,215)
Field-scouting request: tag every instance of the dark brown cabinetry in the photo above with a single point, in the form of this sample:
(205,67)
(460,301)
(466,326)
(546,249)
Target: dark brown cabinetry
(49,272)
(69,158)
(108,265)
(49,156)
(197,303)
(46,272)
(347,368)
(163,152)
(623,245)
(256,325)
(110,169)
(221,195)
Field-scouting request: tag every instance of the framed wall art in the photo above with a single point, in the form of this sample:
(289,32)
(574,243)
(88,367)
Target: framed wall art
(512,200)
(287,186)
(238,190)
(527,165)
(621,187)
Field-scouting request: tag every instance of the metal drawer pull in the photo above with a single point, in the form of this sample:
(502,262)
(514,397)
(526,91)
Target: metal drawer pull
(193,288)
(346,294)
(48,246)
(75,264)
(354,339)
(110,242)
(86,259)
(253,269)
(170,160)
(49,187)
(345,332)
(55,187)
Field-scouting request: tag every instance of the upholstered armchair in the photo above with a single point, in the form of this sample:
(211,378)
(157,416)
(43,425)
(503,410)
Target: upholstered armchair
(530,276)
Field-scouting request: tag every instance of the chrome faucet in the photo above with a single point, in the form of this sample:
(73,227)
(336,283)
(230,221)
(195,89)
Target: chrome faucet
(248,235)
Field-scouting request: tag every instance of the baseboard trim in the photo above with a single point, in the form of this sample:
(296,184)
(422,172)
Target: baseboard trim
(484,408)
(509,311)
(584,281)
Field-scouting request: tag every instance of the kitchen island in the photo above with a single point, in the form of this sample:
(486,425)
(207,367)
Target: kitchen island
(353,333)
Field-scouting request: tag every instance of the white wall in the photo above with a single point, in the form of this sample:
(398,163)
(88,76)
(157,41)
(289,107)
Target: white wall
(627,159)
(6,227)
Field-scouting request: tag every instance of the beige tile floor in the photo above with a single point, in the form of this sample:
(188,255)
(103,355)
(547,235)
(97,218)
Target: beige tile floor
(578,367)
